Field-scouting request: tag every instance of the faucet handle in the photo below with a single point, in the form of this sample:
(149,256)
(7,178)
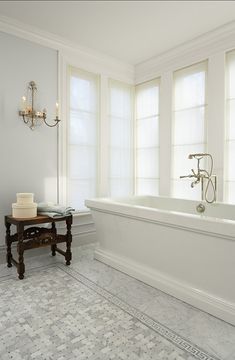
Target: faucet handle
(186,176)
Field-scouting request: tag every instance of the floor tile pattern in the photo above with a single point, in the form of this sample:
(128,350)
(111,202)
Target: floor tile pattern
(56,313)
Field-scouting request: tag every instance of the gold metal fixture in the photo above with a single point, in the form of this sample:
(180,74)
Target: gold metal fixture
(32,116)
(203,175)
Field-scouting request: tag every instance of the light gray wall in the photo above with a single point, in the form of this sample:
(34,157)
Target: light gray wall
(28,159)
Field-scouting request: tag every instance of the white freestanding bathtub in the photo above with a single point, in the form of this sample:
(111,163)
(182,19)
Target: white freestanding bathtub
(167,244)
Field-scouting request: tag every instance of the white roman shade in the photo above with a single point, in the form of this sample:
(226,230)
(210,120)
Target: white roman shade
(82,137)
(230,129)
(188,126)
(147,138)
(120,139)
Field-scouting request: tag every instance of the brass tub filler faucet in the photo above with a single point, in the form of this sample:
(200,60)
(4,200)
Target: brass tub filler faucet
(205,177)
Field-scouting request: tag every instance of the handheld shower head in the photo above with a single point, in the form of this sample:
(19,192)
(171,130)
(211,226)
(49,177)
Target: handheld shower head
(198,155)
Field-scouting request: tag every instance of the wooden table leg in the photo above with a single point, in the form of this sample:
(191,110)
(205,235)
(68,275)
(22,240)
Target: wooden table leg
(8,243)
(20,249)
(53,247)
(68,254)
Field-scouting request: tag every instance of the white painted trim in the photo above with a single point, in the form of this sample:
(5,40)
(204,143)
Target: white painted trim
(69,54)
(211,45)
(31,33)
(70,58)
(165,127)
(216,117)
(207,302)
(84,237)
(169,223)
(195,50)
(62,148)
(220,39)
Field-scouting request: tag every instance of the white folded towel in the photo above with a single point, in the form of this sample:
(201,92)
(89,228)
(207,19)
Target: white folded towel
(54,210)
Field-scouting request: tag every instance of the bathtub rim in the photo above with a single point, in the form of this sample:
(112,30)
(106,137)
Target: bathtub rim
(199,223)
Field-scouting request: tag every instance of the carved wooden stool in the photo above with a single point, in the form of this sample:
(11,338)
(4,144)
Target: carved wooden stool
(35,237)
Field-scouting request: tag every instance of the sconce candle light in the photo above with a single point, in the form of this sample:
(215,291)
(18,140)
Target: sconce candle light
(30,115)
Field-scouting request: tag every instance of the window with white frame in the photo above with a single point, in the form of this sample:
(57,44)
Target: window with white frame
(230,129)
(147,138)
(82,137)
(189,126)
(120,139)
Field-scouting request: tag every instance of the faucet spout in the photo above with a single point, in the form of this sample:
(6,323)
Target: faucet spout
(195,183)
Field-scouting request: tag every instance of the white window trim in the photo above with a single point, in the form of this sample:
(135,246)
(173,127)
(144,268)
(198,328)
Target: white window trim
(132,140)
(66,59)
(190,69)
(156,81)
(226,134)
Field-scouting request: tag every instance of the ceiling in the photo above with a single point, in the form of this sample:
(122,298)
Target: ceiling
(131,31)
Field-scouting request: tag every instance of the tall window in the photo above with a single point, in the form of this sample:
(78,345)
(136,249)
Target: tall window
(121,139)
(82,137)
(189,126)
(230,130)
(147,138)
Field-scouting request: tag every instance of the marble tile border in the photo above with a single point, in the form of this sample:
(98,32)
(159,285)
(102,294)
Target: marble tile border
(160,329)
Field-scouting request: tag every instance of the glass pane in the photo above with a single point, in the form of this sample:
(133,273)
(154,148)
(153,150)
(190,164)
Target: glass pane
(147,163)
(82,162)
(79,191)
(120,132)
(83,94)
(148,132)
(182,189)
(121,157)
(189,89)
(120,101)
(147,101)
(147,187)
(230,192)
(231,160)
(230,135)
(120,164)
(82,138)
(189,126)
(82,128)
(231,75)
(120,187)
(182,165)
(231,119)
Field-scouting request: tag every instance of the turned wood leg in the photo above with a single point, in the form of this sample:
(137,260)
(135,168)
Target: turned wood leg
(53,250)
(8,243)
(68,254)
(20,249)
(53,247)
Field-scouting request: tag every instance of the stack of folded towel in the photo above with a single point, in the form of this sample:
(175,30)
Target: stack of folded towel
(53,210)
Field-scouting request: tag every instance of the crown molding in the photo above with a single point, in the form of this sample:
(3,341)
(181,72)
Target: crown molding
(44,38)
(198,49)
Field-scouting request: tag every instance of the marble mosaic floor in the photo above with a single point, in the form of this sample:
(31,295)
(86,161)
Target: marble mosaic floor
(105,314)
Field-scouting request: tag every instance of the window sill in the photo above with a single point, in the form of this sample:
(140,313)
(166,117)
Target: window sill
(81,213)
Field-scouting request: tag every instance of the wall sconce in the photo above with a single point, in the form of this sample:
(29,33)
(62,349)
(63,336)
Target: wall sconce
(28,112)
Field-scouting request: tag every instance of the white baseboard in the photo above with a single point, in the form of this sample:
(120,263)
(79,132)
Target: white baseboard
(200,299)
(83,238)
